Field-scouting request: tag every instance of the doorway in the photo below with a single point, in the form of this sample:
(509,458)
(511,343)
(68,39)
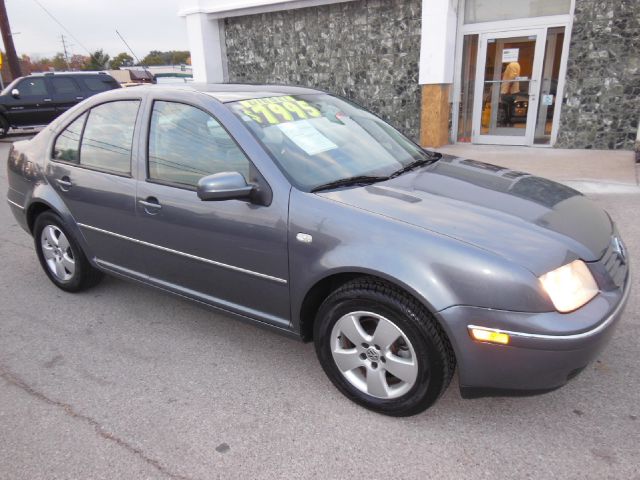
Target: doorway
(510,85)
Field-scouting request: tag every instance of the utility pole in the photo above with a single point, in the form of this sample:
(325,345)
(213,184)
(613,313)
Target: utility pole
(64,49)
(9,47)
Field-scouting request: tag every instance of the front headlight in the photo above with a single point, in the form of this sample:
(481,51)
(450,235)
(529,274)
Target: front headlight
(570,286)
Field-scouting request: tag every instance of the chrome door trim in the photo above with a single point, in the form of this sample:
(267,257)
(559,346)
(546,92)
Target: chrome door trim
(187,255)
(15,204)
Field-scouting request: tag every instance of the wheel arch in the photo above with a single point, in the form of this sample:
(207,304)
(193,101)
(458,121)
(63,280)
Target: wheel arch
(34,209)
(324,286)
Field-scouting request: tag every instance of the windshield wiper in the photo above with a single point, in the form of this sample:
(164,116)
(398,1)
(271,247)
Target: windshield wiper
(434,157)
(345,182)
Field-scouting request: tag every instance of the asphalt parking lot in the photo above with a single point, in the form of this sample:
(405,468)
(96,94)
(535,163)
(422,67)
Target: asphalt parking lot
(124,381)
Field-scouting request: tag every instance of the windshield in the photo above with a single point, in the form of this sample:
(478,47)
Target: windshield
(318,138)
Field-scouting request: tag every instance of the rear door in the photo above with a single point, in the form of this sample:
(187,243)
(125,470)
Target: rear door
(34,105)
(90,168)
(66,93)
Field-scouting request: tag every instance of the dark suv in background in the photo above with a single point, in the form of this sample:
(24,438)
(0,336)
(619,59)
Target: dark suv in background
(37,99)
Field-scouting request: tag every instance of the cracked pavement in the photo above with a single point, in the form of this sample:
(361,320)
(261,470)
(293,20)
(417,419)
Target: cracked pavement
(124,381)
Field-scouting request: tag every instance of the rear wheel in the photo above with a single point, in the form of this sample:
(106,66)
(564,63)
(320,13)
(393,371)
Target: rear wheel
(382,348)
(60,255)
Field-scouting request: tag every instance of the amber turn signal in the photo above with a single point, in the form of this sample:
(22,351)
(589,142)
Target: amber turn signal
(491,336)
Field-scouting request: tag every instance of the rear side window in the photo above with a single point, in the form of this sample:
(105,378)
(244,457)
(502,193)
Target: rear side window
(67,146)
(108,136)
(186,144)
(32,87)
(99,83)
(64,85)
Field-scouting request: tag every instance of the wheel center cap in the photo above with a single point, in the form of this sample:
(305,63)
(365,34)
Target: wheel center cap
(372,354)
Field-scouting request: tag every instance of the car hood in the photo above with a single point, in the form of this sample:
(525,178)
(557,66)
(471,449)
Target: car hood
(538,223)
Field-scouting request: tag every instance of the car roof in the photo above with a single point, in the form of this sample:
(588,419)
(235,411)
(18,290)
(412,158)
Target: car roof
(230,92)
(63,74)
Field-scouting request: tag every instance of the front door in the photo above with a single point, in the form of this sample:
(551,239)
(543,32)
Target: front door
(507,87)
(232,253)
(33,105)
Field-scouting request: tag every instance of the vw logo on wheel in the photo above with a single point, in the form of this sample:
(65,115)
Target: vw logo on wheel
(372,354)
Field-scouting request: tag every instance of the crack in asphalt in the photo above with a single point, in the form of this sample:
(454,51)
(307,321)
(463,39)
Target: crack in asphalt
(16,381)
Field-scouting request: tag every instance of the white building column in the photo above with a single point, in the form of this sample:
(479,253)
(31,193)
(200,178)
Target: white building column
(207,47)
(437,61)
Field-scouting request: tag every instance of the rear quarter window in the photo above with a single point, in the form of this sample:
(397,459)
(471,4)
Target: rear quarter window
(100,139)
(100,83)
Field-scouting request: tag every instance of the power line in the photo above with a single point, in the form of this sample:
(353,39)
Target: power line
(130,49)
(65,28)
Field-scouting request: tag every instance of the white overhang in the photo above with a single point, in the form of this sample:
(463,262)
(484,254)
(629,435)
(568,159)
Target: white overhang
(215,9)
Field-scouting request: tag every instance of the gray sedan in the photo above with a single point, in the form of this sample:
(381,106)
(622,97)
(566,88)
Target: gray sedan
(302,212)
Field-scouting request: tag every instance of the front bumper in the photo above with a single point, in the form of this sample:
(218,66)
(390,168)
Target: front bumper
(545,349)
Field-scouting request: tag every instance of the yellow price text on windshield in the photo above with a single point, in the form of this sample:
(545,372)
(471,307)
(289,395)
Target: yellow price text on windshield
(275,110)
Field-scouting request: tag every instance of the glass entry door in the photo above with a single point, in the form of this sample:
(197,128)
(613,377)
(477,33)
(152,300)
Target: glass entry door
(507,87)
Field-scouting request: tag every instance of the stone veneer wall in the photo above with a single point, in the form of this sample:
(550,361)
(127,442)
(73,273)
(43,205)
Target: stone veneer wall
(602,89)
(367,51)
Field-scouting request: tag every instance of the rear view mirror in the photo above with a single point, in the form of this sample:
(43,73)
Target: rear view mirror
(223,186)
(15,93)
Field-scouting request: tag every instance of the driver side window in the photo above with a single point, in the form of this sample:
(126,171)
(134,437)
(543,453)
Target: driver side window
(186,144)
(30,87)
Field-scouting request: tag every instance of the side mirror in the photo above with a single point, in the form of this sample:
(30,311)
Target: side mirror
(223,186)
(15,93)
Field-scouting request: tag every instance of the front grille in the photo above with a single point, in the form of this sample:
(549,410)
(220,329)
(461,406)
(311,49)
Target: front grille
(614,264)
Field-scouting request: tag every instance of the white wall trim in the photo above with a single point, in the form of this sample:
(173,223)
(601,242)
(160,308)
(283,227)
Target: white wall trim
(438,41)
(234,8)
(208,49)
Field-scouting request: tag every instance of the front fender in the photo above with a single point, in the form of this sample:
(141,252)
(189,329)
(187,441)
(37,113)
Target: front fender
(438,270)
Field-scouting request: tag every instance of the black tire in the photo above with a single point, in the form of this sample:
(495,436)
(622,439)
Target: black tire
(84,275)
(434,355)
(4,127)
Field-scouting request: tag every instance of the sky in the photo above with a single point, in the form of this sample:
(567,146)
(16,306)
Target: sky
(145,24)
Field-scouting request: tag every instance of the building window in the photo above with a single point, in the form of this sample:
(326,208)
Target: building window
(476,11)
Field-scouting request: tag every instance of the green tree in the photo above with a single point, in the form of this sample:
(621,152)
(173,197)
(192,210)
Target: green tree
(172,57)
(121,60)
(98,60)
(59,63)
(155,57)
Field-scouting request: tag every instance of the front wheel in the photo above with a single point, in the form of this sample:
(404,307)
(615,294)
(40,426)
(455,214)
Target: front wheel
(382,349)
(4,127)
(60,255)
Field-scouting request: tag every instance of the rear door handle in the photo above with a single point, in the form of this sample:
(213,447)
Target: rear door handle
(65,183)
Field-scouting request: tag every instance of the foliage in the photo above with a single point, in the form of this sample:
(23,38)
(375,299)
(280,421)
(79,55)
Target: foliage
(98,61)
(122,60)
(172,57)
(57,63)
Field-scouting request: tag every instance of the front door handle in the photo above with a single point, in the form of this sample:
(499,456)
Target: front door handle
(79,98)
(64,183)
(46,99)
(151,205)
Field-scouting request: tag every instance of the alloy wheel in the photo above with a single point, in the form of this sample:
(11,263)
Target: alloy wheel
(57,253)
(374,355)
